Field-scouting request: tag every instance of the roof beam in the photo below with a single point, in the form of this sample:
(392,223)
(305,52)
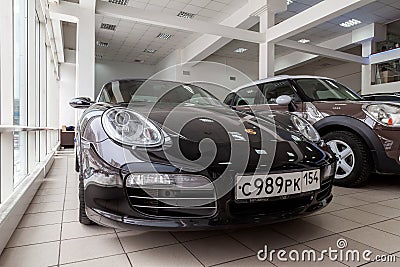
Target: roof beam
(58,39)
(164,20)
(313,16)
(322,51)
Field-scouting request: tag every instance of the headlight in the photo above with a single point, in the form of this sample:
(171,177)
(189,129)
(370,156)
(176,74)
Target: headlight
(388,115)
(306,129)
(131,128)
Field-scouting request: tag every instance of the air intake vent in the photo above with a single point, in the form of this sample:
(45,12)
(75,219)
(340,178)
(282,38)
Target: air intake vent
(149,50)
(119,2)
(186,73)
(107,26)
(164,36)
(138,61)
(185,15)
(98,56)
(101,44)
(232,78)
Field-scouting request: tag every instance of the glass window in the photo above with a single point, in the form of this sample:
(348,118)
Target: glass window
(247,96)
(273,90)
(229,98)
(326,90)
(160,92)
(20,88)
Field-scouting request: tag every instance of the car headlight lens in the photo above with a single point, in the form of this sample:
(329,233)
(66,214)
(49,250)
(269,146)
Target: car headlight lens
(388,115)
(306,129)
(131,128)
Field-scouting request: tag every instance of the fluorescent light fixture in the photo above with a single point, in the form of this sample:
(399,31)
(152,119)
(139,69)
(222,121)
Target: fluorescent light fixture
(185,15)
(240,50)
(288,2)
(102,44)
(107,26)
(119,2)
(164,36)
(99,56)
(350,23)
(150,51)
(303,41)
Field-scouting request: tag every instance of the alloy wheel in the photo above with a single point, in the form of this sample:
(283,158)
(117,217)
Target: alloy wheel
(346,159)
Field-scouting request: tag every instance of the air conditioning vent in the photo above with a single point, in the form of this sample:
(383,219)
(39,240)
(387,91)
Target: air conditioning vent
(106,26)
(119,2)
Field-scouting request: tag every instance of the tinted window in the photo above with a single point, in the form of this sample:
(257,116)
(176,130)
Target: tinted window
(247,96)
(384,98)
(273,90)
(325,90)
(229,99)
(133,91)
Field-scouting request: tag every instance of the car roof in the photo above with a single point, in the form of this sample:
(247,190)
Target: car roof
(384,94)
(280,78)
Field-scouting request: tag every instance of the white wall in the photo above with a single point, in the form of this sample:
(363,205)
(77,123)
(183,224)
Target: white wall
(67,85)
(109,70)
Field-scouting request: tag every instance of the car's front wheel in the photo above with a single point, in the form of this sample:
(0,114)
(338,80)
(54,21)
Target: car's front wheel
(354,165)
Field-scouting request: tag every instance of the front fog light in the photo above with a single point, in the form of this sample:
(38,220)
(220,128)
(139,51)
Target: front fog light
(329,171)
(171,180)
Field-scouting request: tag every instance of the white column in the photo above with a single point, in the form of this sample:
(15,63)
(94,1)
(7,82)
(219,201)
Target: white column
(267,49)
(366,70)
(6,99)
(85,56)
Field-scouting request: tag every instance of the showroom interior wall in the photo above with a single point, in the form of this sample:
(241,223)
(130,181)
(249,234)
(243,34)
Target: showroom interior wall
(29,109)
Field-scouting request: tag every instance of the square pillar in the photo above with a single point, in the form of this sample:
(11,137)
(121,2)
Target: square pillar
(366,70)
(267,49)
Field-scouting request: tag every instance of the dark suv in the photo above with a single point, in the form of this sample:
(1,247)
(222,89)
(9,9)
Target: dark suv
(364,135)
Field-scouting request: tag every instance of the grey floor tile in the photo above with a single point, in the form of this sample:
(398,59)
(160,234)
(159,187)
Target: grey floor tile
(331,207)
(257,238)
(375,195)
(71,215)
(185,236)
(37,219)
(173,256)
(352,245)
(217,249)
(375,238)
(47,198)
(86,248)
(381,210)
(348,201)
(39,255)
(394,203)
(71,204)
(332,223)
(134,241)
(45,207)
(116,261)
(301,231)
(76,230)
(54,191)
(251,261)
(35,235)
(390,226)
(359,216)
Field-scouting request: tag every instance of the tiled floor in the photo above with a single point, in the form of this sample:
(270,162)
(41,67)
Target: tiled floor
(50,235)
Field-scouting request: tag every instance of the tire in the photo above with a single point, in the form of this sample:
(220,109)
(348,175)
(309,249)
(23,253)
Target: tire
(358,158)
(83,218)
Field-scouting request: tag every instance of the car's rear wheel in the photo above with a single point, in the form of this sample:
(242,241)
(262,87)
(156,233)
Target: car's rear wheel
(354,165)
(83,218)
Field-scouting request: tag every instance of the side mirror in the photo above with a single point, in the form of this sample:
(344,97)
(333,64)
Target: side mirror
(285,100)
(81,102)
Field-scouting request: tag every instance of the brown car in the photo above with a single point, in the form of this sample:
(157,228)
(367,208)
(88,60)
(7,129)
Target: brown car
(364,135)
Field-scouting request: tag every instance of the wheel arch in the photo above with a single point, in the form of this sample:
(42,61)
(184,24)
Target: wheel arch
(355,126)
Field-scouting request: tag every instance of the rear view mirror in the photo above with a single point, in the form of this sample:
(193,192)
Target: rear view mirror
(81,102)
(285,100)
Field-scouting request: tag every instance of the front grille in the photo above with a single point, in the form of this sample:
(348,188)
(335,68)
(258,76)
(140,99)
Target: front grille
(176,202)
(271,207)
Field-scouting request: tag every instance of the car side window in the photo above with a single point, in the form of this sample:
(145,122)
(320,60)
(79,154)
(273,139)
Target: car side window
(273,90)
(247,96)
(229,99)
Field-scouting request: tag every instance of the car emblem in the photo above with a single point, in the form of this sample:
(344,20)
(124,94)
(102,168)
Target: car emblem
(251,131)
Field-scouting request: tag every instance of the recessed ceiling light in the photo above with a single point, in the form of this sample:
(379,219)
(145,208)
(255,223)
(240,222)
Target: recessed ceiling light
(107,26)
(240,50)
(288,2)
(119,2)
(350,23)
(303,41)
(99,56)
(164,36)
(102,44)
(185,15)
(150,51)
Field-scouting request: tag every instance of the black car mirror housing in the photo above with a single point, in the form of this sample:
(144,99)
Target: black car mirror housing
(81,102)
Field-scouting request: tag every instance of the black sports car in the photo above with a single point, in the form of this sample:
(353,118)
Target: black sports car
(170,155)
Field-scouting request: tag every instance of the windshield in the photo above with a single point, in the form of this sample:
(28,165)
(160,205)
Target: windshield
(325,90)
(156,92)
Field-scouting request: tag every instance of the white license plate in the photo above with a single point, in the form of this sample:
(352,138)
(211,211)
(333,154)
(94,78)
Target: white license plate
(275,185)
